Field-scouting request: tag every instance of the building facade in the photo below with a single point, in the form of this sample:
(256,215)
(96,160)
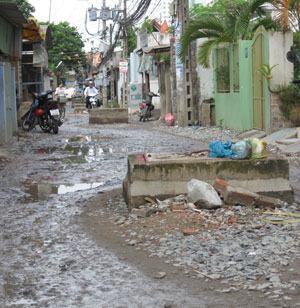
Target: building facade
(11,20)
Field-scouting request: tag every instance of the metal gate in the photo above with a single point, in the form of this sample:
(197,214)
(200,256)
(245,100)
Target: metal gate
(258,46)
(8,112)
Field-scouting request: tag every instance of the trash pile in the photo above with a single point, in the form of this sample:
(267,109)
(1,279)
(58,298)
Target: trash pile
(220,232)
(202,195)
(242,149)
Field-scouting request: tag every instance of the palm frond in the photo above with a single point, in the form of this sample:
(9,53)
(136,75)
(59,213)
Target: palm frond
(205,49)
(206,27)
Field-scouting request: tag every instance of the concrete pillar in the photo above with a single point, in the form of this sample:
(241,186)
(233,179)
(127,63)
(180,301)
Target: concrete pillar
(2,107)
(173,76)
(168,88)
(162,88)
(14,120)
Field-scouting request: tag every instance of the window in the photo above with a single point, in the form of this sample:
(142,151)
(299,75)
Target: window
(222,70)
(188,90)
(236,68)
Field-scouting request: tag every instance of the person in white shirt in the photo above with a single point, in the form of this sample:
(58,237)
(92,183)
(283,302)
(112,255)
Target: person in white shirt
(60,91)
(89,91)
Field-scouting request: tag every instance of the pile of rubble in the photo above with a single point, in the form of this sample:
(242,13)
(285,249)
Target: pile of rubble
(204,134)
(285,141)
(236,242)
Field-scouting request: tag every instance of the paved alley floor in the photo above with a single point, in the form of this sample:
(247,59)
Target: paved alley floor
(47,258)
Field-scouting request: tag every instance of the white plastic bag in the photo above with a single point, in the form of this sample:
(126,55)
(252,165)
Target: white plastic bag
(203,195)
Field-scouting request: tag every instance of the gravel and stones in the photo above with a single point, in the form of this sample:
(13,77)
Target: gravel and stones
(233,244)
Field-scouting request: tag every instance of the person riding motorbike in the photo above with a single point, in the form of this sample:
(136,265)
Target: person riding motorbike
(89,92)
(148,108)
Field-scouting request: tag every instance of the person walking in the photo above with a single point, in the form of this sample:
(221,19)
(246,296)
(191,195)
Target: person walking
(89,91)
(60,91)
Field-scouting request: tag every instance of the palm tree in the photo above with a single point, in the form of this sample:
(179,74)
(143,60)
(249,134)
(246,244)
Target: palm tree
(287,14)
(237,22)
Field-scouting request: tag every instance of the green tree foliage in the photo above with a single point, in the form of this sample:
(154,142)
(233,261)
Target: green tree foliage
(147,26)
(26,8)
(67,47)
(223,22)
(132,39)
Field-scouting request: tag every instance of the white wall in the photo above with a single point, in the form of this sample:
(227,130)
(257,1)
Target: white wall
(279,44)
(205,77)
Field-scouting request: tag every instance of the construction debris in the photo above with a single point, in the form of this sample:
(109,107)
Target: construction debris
(203,195)
(240,196)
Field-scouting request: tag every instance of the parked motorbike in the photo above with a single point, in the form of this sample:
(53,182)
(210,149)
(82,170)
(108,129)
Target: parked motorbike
(94,101)
(44,112)
(147,107)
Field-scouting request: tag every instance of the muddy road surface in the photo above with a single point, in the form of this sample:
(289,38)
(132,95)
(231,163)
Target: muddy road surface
(46,258)
(59,248)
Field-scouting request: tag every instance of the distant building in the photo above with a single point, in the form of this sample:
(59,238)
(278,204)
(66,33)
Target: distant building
(35,74)
(160,10)
(11,20)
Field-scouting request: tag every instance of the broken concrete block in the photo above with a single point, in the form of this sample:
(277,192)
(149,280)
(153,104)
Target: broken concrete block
(292,148)
(284,133)
(239,196)
(221,186)
(143,212)
(288,141)
(253,133)
(265,201)
(108,115)
(167,175)
(203,195)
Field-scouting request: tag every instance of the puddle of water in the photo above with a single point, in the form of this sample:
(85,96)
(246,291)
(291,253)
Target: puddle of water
(42,191)
(78,150)
(87,138)
(77,154)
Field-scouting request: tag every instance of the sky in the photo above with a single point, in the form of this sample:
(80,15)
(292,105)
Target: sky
(74,12)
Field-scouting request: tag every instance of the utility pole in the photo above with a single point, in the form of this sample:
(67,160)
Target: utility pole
(50,8)
(125,57)
(104,71)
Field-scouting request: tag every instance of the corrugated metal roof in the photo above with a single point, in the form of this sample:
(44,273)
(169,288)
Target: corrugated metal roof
(11,13)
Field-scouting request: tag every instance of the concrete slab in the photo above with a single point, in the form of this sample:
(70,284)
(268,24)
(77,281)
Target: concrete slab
(288,141)
(253,133)
(166,175)
(108,115)
(292,148)
(281,134)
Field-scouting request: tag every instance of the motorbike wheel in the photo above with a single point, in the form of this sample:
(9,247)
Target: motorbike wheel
(44,125)
(28,122)
(62,112)
(55,127)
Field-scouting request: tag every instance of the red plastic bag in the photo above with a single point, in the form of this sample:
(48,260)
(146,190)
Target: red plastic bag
(169,119)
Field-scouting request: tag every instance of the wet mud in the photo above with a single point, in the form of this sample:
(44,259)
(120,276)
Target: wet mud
(47,259)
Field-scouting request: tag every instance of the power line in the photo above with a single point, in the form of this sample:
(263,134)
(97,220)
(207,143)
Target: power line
(157,4)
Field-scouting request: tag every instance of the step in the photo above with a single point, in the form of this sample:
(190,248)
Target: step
(165,175)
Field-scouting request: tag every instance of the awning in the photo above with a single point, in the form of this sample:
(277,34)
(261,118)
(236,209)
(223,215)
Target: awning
(11,13)
(154,50)
(32,31)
